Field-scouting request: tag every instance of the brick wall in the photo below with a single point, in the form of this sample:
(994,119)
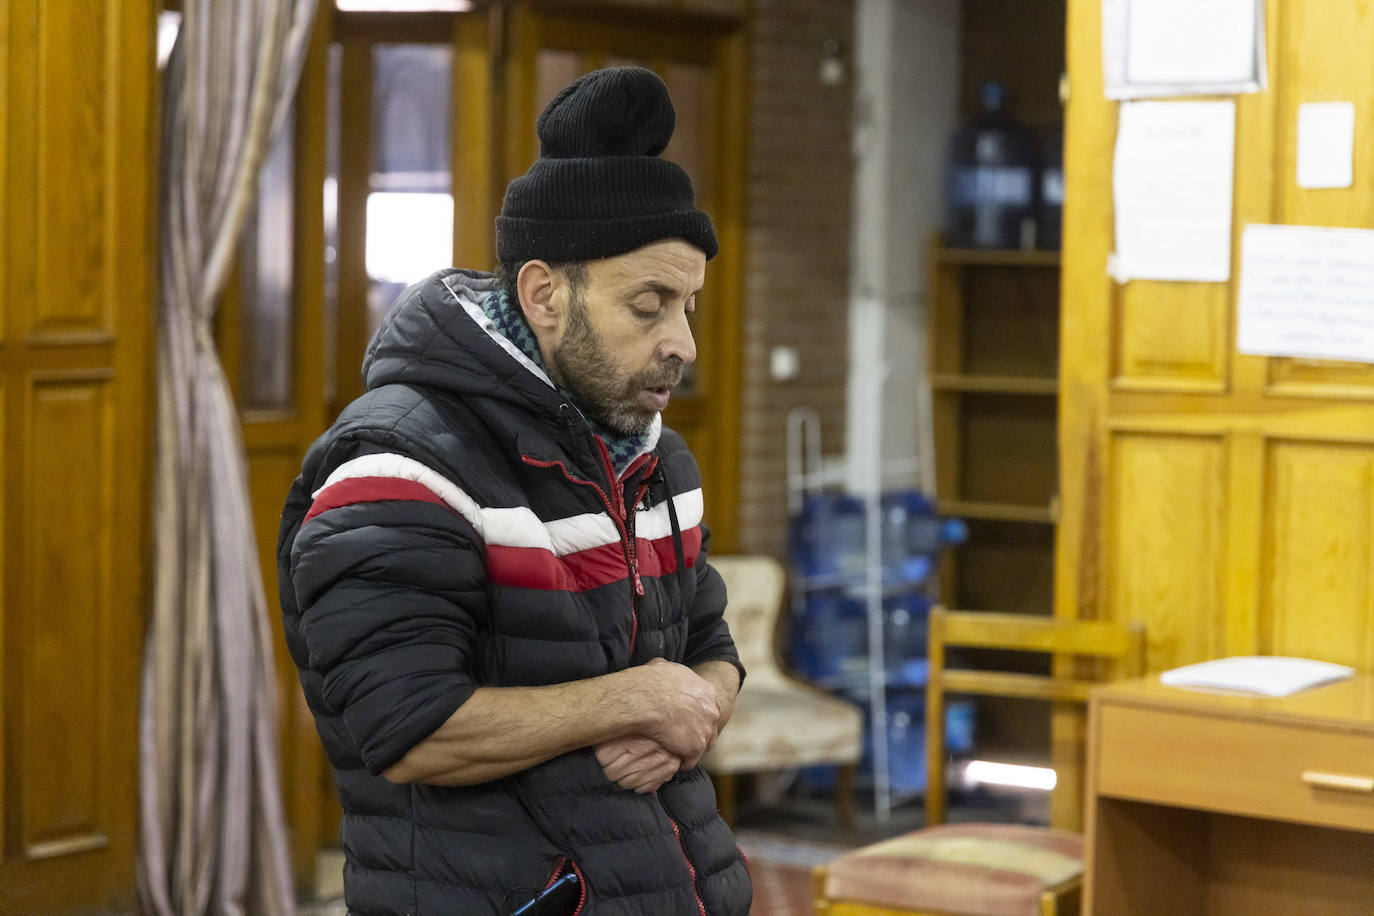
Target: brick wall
(797,246)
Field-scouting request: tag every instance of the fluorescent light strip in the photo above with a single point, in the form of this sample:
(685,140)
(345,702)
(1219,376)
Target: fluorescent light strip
(988,773)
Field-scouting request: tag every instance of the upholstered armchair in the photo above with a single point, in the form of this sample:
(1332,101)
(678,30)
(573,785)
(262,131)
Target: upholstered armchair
(779,722)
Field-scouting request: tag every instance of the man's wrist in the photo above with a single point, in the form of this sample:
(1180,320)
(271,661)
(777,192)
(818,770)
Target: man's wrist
(725,678)
(635,700)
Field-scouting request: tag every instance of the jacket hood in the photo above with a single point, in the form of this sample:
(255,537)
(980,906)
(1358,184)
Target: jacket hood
(437,335)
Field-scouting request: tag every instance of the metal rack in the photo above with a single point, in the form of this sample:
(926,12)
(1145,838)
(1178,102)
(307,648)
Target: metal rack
(806,476)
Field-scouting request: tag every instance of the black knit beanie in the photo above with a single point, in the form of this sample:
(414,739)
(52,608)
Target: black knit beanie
(599,188)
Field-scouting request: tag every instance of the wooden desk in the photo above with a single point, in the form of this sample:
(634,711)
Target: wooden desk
(1204,804)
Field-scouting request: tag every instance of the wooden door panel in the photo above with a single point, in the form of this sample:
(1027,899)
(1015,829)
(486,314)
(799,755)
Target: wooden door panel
(1171,337)
(1323,57)
(5,549)
(1320,378)
(1166,545)
(77,188)
(72,150)
(1316,599)
(56,731)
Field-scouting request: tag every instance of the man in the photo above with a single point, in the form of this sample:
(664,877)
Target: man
(492,566)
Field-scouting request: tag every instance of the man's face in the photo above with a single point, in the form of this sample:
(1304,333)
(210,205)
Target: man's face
(625,340)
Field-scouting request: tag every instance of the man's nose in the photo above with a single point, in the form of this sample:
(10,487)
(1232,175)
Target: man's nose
(679,341)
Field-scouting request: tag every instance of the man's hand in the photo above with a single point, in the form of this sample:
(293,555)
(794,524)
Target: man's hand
(725,678)
(637,763)
(686,710)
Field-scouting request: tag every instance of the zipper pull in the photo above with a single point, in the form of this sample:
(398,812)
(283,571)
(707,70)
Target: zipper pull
(639,583)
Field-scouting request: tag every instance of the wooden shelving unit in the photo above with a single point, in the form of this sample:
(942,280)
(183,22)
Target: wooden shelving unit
(993,330)
(994,384)
(997,258)
(997,512)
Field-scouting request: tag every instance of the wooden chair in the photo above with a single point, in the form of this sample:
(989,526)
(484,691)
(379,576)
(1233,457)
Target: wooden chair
(779,722)
(982,869)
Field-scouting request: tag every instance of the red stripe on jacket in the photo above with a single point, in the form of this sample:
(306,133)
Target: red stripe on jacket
(526,567)
(537,568)
(369,490)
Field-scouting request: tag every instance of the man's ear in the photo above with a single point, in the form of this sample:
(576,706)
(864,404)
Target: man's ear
(538,284)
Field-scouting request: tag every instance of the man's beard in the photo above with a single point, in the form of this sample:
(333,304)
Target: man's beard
(608,396)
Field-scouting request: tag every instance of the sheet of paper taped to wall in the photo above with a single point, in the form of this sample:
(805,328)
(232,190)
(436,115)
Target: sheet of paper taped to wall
(1307,292)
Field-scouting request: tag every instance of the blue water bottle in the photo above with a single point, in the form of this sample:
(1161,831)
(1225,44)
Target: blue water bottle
(991,180)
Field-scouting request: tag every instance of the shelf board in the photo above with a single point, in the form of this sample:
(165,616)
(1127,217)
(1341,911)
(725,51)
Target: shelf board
(994,384)
(993,257)
(997,512)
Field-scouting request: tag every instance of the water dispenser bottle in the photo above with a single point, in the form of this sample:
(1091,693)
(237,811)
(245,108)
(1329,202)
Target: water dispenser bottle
(991,180)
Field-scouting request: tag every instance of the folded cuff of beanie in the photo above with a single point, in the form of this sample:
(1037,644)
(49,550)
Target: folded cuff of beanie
(559,241)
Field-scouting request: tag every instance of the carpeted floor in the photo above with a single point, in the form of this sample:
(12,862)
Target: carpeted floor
(780,866)
(781,869)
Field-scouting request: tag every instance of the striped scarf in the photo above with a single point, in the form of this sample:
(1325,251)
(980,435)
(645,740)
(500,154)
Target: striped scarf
(624,449)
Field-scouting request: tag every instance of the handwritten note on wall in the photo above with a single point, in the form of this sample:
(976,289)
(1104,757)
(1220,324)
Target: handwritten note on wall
(1307,292)
(1171,186)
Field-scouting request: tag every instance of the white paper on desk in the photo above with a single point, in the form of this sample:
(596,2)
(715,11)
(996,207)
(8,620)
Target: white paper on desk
(1271,675)
(1154,48)
(1172,185)
(1326,145)
(1307,291)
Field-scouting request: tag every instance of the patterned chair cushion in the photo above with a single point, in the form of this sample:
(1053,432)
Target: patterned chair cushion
(973,869)
(785,726)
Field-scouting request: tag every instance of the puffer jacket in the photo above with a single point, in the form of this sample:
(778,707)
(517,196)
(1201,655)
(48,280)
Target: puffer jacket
(460,526)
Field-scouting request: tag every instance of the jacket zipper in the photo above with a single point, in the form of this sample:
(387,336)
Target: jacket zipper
(691,869)
(633,508)
(634,535)
(622,519)
(616,509)
(559,868)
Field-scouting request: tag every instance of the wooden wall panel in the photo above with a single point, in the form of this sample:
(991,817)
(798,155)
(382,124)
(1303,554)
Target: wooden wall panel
(57,732)
(1324,57)
(1171,336)
(1319,378)
(6,199)
(70,169)
(1292,538)
(77,268)
(1324,52)
(1166,542)
(4,589)
(1316,599)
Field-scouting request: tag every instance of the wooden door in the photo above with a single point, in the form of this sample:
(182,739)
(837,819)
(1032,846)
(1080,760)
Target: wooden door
(77,297)
(702,61)
(1227,500)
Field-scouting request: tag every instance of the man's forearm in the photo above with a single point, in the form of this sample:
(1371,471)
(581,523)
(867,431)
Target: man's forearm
(503,730)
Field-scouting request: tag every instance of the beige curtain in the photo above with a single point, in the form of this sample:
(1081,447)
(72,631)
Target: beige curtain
(213,835)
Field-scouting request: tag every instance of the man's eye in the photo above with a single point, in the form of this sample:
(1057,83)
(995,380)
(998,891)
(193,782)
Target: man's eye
(647,305)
